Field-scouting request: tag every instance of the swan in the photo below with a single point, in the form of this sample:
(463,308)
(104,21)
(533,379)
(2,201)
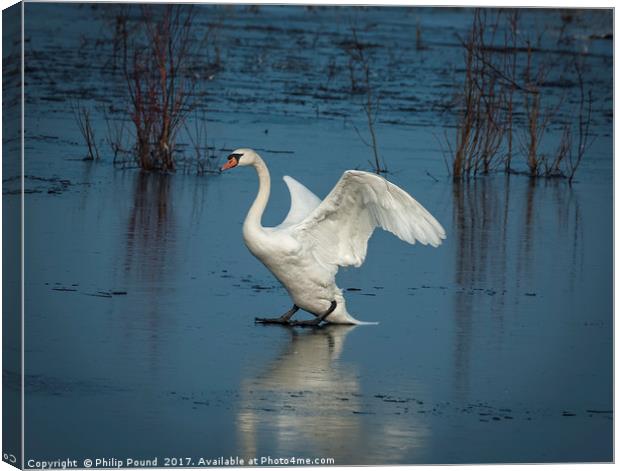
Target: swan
(317,237)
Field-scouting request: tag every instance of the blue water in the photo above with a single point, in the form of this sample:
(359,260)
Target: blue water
(140,295)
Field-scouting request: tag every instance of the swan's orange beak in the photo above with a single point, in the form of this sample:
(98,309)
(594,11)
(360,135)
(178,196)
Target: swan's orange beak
(232,162)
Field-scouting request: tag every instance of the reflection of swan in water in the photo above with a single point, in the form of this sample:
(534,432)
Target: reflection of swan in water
(307,403)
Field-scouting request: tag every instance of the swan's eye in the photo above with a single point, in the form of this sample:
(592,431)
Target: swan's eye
(233,161)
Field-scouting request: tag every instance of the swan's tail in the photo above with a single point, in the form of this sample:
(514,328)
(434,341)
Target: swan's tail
(341,316)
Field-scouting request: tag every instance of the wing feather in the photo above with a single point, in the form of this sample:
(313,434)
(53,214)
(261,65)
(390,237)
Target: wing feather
(336,232)
(303,202)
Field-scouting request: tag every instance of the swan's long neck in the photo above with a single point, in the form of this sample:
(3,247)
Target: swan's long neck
(255,214)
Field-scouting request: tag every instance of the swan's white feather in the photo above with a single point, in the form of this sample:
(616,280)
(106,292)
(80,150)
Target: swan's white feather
(336,233)
(303,202)
(305,251)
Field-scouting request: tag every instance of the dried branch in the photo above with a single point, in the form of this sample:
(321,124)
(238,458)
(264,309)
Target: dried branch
(82,118)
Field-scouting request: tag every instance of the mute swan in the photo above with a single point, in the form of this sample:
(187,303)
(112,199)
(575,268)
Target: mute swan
(316,237)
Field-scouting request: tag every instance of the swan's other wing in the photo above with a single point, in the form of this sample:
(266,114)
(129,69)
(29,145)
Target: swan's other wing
(303,202)
(336,233)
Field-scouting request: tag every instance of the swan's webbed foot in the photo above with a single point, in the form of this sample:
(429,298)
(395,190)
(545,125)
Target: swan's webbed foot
(284,319)
(317,320)
(272,320)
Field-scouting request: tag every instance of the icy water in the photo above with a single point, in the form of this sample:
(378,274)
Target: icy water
(140,295)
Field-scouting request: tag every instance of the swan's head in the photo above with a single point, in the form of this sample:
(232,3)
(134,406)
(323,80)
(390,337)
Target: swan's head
(241,158)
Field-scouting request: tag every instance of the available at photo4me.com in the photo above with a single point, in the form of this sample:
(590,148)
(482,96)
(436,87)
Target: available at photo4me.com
(157,462)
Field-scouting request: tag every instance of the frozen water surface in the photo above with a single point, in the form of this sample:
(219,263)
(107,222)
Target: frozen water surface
(495,347)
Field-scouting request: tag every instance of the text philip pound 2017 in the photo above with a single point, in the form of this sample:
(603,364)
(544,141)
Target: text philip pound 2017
(183,461)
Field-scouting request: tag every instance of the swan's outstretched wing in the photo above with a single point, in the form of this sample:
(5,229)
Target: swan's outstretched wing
(303,202)
(336,233)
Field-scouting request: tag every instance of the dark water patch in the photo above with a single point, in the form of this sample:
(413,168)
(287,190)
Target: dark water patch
(277,151)
(594,324)
(602,36)
(484,411)
(55,386)
(36,184)
(99,294)
(262,288)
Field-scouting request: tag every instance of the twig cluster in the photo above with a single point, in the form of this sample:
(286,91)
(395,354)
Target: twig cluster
(154,54)
(494,78)
(481,126)
(360,73)
(82,118)
(204,160)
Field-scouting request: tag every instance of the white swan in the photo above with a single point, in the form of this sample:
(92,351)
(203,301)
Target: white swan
(316,237)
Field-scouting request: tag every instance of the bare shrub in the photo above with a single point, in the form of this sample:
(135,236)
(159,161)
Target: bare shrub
(510,69)
(118,139)
(203,159)
(360,73)
(419,45)
(159,81)
(82,118)
(537,116)
(575,136)
(495,74)
(569,155)
(481,121)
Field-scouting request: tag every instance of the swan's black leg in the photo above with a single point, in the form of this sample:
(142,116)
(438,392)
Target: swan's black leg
(317,320)
(283,319)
